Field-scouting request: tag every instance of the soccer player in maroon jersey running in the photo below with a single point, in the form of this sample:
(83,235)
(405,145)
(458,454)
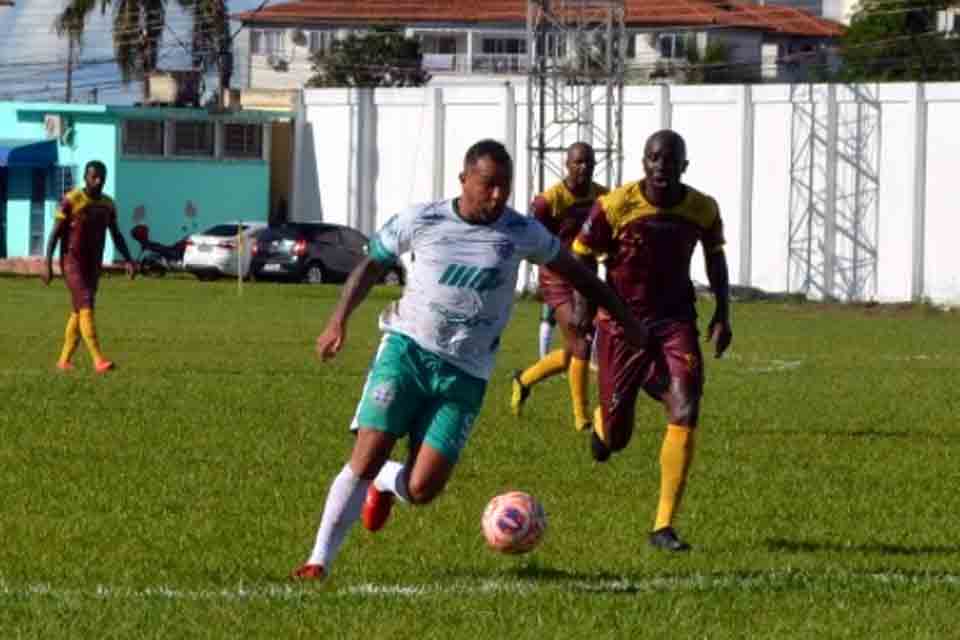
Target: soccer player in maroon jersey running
(649,230)
(562,209)
(82,221)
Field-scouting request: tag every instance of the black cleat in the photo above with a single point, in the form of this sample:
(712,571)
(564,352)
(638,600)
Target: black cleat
(667,540)
(598,449)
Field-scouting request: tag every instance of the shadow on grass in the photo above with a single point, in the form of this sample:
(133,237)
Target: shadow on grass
(782,545)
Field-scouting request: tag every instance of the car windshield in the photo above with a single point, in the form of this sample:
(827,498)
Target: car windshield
(224,230)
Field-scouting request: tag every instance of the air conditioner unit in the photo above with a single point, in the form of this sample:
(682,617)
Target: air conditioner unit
(277,62)
(53,126)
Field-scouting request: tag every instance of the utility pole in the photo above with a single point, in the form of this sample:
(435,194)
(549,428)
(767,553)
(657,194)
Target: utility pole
(69,90)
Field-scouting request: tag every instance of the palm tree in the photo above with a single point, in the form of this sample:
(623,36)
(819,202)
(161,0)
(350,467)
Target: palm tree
(138,30)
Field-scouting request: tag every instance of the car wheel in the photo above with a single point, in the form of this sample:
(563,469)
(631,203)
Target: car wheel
(393,278)
(315,274)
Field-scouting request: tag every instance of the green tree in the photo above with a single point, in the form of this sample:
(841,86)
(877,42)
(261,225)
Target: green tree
(898,42)
(138,27)
(382,57)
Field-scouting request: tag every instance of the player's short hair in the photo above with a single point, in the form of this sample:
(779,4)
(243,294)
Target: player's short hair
(488,148)
(97,166)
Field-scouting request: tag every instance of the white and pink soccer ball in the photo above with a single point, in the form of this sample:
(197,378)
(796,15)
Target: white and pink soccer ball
(513,522)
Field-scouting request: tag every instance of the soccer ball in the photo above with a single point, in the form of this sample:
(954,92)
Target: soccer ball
(513,522)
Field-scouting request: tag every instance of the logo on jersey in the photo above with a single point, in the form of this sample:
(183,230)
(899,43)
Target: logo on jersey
(504,249)
(476,278)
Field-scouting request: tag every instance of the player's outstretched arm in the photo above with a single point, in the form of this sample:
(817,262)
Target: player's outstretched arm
(58,229)
(358,285)
(719,330)
(595,290)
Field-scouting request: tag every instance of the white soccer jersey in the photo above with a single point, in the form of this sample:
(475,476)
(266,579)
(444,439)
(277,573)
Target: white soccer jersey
(460,286)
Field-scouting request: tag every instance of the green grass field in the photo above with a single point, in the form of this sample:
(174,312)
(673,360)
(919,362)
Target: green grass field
(172,497)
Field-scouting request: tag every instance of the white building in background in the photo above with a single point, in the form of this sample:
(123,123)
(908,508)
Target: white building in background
(463,40)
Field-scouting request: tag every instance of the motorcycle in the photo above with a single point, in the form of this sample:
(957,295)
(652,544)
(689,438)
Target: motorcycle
(157,259)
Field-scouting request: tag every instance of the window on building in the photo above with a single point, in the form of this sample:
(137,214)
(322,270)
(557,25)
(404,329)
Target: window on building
(320,41)
(672,45)
(62,179)
(242,140)
(510,46)
(38,211)
(193,139)
(267,41)
(143,137)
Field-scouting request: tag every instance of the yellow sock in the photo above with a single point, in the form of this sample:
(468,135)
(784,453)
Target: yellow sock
(675,458)
(549,365)
(89,332)
(579,376)
(71,338)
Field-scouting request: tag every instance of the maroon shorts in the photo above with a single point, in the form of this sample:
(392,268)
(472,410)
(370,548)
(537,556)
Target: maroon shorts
(672,359)
(82,285)
(554,290)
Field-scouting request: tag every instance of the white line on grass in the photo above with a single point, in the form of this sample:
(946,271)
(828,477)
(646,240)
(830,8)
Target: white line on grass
(655,584)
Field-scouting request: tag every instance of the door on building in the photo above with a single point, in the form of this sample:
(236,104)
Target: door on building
(3,212)
(38,211)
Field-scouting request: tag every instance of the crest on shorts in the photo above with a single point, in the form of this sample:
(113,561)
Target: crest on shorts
(384,394)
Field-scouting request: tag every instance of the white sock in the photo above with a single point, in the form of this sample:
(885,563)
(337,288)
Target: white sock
(546,336)
(342,509)
(393,478)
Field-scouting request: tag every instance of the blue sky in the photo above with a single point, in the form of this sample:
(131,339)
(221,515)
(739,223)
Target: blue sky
(33,58)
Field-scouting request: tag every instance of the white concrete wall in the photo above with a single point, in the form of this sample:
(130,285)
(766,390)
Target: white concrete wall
(739,142)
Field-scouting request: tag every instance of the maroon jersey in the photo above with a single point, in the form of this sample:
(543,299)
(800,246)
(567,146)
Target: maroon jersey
(87,220)
(649,249)
(562,213)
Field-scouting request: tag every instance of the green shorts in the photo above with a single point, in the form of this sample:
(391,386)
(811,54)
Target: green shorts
(413,392)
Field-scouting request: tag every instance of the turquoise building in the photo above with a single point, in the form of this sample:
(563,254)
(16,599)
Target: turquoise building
(176,170)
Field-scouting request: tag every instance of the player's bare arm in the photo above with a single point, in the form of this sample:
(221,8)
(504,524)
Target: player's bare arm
(121,245)
(355,290)
(587,283)
(55,236)
(719,331)
(583,310)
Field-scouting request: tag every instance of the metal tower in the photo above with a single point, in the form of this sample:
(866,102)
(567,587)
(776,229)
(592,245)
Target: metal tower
(574,86)
(834,189)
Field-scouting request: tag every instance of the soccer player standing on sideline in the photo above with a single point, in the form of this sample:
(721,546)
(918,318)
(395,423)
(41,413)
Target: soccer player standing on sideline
(649,230)
(563,209)
(428,378)
(82,221)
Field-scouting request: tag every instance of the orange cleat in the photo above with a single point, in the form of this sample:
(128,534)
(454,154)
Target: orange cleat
(104,365)
(376,508)
(65,366)
(309,572)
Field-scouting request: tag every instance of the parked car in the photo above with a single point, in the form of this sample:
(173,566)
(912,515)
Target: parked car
(219,251)
(314,252)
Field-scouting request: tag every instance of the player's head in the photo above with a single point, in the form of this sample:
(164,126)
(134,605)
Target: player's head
(487,178)
(94,175)
(664,159)
(580,163)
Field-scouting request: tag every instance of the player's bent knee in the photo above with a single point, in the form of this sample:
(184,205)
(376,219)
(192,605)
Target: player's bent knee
(684,408)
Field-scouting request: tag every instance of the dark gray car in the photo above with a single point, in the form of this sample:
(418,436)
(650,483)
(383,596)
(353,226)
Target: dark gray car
(315,252)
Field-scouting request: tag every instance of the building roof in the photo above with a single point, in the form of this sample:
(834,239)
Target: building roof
(639,13)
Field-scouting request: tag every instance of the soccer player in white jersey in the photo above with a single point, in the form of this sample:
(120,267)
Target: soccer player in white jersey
(430,373)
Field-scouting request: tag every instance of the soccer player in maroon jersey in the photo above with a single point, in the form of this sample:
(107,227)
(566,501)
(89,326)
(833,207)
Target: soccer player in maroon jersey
(649,230)
(563,209)
(82,221)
